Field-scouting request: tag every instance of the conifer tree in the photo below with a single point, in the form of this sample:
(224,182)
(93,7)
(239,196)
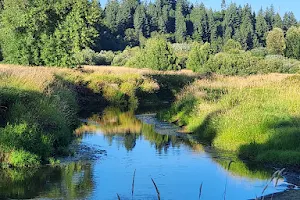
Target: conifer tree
(180,24)
(261,27)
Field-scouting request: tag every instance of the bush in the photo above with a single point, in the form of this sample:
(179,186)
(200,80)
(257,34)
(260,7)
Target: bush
(280,64)
(232,64)
(21,158)
(198,56)
(260,52)
(122,58)
(232,46)
(90,57)
(157,54)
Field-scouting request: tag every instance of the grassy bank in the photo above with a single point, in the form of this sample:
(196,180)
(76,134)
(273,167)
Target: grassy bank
(39,106)
(257,116)
(38,114)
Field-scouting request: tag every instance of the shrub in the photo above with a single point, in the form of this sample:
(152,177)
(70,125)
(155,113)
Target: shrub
(232,64)
(21,158)
(90,57)
(260,52)
(198,56)
(232,46)
(157,54)
(122,58)
(280,64)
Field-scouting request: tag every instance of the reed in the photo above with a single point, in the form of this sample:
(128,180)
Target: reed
(132,190)
(156,189)
(200,191)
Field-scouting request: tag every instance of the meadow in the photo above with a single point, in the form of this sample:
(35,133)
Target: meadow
(257,116)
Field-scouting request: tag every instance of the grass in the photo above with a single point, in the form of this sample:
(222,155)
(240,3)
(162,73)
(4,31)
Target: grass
(256,116)
(39,106)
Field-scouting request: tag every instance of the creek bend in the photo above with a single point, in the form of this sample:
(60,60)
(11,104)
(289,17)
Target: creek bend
(114,144)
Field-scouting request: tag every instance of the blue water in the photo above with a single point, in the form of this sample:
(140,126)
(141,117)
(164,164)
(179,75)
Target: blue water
(177,165)
(178,173)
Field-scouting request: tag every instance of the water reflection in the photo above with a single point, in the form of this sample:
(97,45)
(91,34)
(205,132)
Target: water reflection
(178,163)
(125,128)
(71,181)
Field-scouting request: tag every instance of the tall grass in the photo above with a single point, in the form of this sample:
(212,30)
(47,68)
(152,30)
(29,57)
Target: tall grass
(257,116)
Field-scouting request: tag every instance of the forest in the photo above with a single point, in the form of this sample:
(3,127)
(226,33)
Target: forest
(175,34)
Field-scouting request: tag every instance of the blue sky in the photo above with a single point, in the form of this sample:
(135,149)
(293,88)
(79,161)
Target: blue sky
(279,5)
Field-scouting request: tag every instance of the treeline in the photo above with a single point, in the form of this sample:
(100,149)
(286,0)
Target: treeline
(54,33)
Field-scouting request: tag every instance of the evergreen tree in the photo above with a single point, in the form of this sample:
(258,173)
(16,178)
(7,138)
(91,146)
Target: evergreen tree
(289,20)
(270,17)
(231,22)
(140,21)
(223,5)
(111,11)
(30,33)
(246,32)
(199,19)
(278,21)
(180,24)
(125,15)
(261,27)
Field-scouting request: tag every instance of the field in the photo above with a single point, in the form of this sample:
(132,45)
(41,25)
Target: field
(257,117)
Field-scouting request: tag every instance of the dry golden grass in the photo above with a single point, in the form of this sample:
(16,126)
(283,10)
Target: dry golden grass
(128,70)
(219,81)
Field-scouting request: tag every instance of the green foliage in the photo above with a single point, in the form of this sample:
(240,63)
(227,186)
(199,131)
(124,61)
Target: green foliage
(122,58)
(232,46)
(198,57)
(38,121)
(278,64)
(233,63)
(276,42)
(259,52)
(180,24)
(22,158)
(157,54)
(256,117)
(293,43)
(31,36)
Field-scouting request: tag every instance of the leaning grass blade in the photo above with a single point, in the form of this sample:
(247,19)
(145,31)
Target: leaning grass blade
(278,176)
(200,190)
(156,188)
(118,196)
(228,168)
(132,190)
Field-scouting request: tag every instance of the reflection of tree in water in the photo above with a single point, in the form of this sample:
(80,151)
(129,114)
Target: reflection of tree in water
(72,181)
(161,142)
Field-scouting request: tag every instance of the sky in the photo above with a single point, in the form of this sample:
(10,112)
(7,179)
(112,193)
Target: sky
(280,5)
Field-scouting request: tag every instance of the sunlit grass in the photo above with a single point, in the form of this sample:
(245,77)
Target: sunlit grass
(255,116)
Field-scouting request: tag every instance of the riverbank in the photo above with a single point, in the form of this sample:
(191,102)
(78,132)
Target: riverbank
(40,106)
(257,117)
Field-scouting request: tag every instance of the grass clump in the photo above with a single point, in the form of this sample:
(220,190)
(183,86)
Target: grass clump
(39,116)
(257,116)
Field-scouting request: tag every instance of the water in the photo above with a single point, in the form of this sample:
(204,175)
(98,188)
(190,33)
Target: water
(154,149)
